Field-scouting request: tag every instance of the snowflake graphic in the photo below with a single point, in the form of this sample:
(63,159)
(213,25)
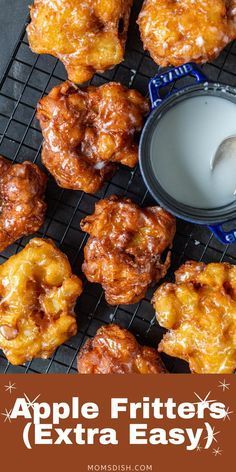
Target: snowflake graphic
(225,386)
(212,435)
(217,452)
(204,401)
(7,415)
(10,387)
(227,413)
(31,403)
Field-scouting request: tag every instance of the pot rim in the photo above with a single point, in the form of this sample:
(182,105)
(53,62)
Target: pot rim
(186,212)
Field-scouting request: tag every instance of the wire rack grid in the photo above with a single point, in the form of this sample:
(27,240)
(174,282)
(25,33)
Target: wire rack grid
(28,77)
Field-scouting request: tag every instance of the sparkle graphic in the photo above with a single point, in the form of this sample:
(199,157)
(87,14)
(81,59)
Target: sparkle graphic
(10,387)
(212,435)
(227,413)
(217,452)
(30,403)
(7,415)
(199,448)
(224,385)
(204,401)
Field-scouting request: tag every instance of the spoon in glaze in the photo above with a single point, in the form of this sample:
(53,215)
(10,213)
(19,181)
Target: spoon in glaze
(226,150)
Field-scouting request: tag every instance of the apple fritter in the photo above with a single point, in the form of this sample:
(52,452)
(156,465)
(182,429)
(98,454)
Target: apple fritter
(38,292)
(176,32)
(87,36)
(88,131)
(115,351)
(125,248)
(199,311)
(23,207)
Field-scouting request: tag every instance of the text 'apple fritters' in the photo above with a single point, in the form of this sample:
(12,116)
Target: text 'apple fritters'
(115,351)
(87,36)
(178,31)
(87,131)
(125,248)
(37,296)
(23,208)
(200,312)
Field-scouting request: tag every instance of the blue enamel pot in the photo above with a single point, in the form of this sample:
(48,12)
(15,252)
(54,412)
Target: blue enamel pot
(166,82)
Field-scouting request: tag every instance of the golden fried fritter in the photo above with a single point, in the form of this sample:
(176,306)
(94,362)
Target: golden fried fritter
(179,31)
(124,250)
(115,351)
(37,297)
(87,131)
(200,312)
(23,208)
(87,36)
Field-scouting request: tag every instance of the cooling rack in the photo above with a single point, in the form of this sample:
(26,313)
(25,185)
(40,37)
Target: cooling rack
(27,78)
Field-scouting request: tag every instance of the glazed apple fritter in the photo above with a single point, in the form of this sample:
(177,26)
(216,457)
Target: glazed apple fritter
(87,36)
(23,208)
(115,351)
(199,311)
(125,248)
(179,31)
(87,131)
(38,293)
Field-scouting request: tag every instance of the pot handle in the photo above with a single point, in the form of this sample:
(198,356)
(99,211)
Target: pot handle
(225,237)
(172,75)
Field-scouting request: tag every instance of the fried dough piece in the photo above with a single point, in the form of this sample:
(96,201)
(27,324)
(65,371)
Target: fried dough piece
(38,292)
(87,36)
(87,131)
(199,311)
(178,31)
(115,351)
(23,207)
(124,250)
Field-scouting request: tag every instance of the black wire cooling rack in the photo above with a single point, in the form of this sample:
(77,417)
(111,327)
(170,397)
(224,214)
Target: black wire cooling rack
(27,78)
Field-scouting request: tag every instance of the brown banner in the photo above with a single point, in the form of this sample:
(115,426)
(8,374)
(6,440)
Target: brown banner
(117,423)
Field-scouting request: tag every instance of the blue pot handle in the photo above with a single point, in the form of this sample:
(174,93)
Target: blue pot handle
(225,237)
(172,75)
